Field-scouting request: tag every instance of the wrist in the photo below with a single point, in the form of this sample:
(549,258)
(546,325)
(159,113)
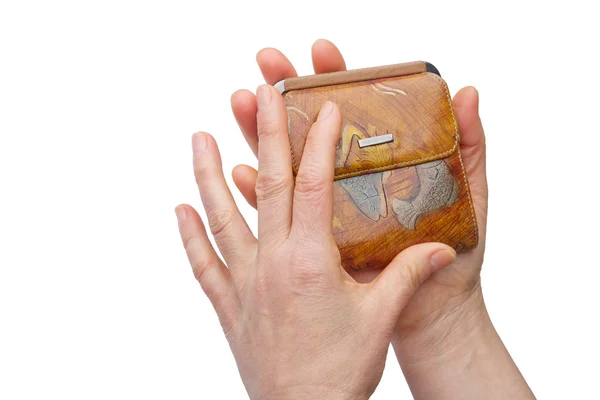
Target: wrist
(458,354)
(446,330)
(310,392)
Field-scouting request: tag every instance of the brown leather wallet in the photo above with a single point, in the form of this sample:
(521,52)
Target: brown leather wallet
(399,175)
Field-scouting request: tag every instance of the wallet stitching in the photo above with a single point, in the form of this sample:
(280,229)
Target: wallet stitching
(462,166)
(468,189)
(294,166)
(419,160)
(400,164)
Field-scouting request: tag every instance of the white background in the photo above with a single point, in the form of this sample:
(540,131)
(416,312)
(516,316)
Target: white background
(98,101)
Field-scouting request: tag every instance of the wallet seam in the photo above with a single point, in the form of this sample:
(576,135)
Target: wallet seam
(462,165)
(411,162)
(471,207)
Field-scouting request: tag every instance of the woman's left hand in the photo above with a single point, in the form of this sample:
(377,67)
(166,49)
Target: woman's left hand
(298,325)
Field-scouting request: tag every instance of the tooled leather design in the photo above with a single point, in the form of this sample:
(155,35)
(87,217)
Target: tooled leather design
(366,191)
(415,109)
(438,188)
(429,202)
(390,196)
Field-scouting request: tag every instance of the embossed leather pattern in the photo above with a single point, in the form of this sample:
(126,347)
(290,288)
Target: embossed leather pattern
(415,109)
(393,195)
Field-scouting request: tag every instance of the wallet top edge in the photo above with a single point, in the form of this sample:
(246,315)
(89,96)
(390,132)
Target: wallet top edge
(355,75)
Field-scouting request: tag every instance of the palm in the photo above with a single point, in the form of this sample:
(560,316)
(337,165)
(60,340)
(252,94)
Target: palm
(444,285)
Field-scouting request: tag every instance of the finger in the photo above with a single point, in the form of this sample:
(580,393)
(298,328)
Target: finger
(231,233)
(244,178)
(274,182)
(472,147)
(400,280)
(326,57)
(313,194)
(466,107)
(243,105)
(209,270)
(274,66)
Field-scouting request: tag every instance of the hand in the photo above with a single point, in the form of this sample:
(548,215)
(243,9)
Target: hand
(298,325)
(427,315)
(444,338)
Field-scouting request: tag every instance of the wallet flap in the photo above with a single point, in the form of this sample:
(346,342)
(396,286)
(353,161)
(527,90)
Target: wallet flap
(387,123)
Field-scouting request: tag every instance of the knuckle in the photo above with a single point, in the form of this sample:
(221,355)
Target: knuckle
(202,267)
(228,324)
(200,173)
(266,126)
(311,184)
(220,220)
(271,186)
(202,168)
(306,229)
(412,277)
(189,241)
(307,267)
(310,274)
(204,178)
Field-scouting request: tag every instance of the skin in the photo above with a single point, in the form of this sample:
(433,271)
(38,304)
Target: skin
(444,339)
(293,317)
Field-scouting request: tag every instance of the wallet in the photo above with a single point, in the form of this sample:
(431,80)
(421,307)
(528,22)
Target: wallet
(399,175)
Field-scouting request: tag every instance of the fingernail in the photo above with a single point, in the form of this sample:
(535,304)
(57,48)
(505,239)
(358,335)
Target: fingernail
(326,110)
(442,258)
(263,94)
(180,213)
(198,142)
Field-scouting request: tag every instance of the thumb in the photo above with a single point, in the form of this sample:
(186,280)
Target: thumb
(472,147)
(401,279)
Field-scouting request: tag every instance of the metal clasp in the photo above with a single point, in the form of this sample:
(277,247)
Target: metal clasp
(372,141)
